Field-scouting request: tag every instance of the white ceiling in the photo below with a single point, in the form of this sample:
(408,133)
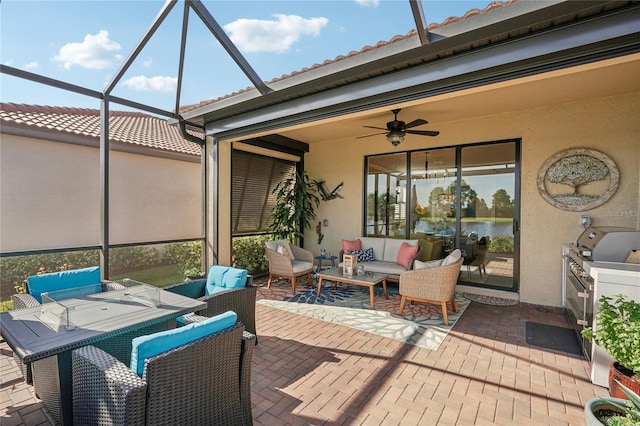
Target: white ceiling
(605,78)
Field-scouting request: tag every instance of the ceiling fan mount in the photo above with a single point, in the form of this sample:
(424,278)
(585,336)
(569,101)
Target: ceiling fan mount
(397,129)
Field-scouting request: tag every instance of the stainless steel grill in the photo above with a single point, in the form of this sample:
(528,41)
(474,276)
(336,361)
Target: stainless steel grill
(608,244)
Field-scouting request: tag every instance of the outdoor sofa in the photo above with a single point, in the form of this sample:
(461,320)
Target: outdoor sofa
(390,256)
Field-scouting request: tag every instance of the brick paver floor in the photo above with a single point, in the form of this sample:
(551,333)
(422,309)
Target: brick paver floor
(310,372)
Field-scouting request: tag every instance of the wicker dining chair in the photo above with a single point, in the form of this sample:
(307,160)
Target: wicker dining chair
(205,382)
(435,285)
(240,300)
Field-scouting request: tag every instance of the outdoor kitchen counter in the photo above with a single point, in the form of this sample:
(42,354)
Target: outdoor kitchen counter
(607,271)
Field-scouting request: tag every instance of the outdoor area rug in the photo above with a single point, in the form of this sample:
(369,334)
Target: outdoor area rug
(349,305)
(560,339)
(490,300)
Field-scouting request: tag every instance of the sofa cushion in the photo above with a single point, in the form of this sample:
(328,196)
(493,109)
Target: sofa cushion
(353,245)
(377,244)
(365,255)
(38,284)
(452,258)
(222,278)
(392,248)
(144,347)
(387,268)
(405,254)
(417,264)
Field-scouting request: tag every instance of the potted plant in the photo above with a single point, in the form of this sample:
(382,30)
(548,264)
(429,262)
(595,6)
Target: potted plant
(617,330)
(191,274)
(295,208)
(614,411)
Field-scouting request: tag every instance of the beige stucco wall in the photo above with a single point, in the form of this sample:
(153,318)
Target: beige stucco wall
(50,196)
(609,124)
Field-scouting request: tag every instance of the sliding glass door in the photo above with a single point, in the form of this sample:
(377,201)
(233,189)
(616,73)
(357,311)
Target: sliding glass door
(462,197)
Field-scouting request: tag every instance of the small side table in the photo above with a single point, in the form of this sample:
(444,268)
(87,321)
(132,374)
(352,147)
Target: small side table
(321,259)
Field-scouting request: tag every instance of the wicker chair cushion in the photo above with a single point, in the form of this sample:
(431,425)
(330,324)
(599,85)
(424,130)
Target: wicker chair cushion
(73,292)
(417,264)
(38,284)
(281,246)
(144,347)
(222,278)
(452,258)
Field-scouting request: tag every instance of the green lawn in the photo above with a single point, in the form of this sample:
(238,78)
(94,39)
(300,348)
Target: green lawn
(160,277)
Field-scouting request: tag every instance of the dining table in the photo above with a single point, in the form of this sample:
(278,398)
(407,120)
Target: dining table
(44,336)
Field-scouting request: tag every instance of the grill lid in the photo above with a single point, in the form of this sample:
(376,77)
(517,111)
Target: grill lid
(608,243)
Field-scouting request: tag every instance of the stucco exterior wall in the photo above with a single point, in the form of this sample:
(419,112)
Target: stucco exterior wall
(608,124)
(50,196)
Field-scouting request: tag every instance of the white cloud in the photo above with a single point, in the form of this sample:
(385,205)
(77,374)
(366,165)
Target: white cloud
(95,52)
(9,62)
(142,83)
(255,35)
(368,3)
(147,63)
(31,65)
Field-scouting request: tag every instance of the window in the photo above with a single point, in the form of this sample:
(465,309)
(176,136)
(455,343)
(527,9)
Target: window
(253,178)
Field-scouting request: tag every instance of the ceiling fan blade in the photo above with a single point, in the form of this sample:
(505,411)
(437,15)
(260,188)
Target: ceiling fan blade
(366,136)
(414,123)
(423,132)
(372,127)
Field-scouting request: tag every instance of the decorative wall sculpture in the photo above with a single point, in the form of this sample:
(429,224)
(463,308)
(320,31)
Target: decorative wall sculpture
(578,179)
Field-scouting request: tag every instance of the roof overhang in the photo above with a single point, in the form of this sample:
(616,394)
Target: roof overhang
(522,39)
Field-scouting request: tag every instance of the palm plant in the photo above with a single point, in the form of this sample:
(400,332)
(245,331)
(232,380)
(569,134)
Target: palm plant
(295,208)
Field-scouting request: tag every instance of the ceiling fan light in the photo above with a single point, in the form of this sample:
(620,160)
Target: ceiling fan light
(395,137)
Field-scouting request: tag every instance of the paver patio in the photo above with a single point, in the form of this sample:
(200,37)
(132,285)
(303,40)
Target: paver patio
(310,372)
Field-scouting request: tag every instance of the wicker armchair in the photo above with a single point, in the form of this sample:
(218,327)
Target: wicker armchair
(207,381)
(433,285)
(296,263)
(240,300)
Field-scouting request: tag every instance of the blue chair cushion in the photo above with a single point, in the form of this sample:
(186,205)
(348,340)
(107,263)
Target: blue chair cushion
(222,278)
(38,284)
(73,292)
(148,346)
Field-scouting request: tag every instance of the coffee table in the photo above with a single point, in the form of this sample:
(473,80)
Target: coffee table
(45,336)
(369,279)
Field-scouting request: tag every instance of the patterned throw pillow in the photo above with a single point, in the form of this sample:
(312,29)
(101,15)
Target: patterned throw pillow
(365,255)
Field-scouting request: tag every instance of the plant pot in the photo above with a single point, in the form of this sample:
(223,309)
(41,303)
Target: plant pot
(598,407)
(624,376)
(189,278)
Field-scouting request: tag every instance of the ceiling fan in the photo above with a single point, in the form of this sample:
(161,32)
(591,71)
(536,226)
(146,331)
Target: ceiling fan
(396,129)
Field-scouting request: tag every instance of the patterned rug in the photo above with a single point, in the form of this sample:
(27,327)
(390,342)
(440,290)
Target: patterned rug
(349,305)
(490,300)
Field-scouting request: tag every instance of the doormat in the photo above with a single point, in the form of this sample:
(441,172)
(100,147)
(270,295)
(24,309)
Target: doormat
(490,300)
(560,339)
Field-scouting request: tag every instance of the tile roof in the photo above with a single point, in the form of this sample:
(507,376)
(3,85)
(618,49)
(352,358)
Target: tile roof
(128,127)
(395,39)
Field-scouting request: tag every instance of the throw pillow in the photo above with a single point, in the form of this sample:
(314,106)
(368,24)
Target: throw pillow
(405,254)
(453,257)
(354,245)
(285,249)
(365,255)
(417,264)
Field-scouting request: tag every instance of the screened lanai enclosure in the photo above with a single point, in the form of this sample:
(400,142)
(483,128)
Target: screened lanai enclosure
(506,86)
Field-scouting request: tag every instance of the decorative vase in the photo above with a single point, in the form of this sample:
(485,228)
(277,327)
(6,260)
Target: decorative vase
(596,404)
(624,376)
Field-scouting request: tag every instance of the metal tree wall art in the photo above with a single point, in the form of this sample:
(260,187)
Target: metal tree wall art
(578,179)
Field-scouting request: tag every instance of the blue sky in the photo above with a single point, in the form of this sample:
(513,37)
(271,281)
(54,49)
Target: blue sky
(86,43)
